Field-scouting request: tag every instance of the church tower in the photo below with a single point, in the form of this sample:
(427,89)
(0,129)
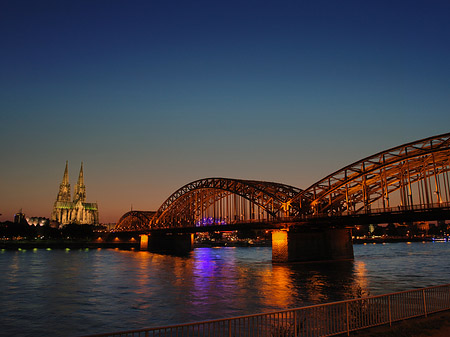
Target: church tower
(62,207)
(64,188)
(80,189)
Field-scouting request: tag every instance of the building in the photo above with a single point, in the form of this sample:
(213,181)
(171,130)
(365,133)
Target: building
(78,211)
(20,217)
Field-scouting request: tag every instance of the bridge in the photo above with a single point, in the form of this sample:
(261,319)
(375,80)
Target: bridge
(409,182)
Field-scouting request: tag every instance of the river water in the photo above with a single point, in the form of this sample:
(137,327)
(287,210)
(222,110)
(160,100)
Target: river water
(78,292)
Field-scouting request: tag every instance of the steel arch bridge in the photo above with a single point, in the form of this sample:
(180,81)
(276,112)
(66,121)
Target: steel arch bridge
(413,175)
(216,201)
(407,177)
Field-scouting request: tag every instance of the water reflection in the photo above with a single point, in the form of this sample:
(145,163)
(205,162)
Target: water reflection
(76,292)
(294,285)
(277,287)
(221,279)
(215,284)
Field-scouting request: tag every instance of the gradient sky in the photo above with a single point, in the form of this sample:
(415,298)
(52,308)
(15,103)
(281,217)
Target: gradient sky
(152,95)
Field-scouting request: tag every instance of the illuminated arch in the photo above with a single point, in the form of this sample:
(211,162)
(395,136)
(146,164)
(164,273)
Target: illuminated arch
(416,172)
(135,221)
(192,202)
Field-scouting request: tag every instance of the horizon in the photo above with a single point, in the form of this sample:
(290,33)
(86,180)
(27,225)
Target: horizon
(151,96)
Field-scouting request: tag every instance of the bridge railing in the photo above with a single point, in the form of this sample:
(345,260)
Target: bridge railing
(313,321)
(375,211)
(397,209)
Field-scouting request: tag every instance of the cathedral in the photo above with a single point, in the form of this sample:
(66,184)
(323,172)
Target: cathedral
(66,211)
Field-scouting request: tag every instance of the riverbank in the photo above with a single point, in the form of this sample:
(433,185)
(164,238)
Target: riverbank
(64,244)
(435,325)
(82,244)
(390,240)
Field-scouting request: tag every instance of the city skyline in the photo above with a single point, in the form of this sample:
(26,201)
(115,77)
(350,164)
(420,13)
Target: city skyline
(153,95)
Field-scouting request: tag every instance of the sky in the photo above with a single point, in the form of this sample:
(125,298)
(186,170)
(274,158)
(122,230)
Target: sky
(152,95)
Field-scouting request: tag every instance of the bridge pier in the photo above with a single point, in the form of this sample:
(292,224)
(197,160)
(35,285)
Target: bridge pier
(143,244)
(312,244)
(171,243)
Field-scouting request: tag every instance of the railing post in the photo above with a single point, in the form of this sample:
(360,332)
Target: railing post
(390,312)
(229,328)
(424,302)
(348,319)
(448,304)
(295,323)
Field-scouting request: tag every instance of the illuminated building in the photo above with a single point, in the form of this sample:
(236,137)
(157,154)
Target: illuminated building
(78,211)
(19,217)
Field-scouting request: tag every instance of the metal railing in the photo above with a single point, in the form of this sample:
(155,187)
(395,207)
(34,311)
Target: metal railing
(313,321)
(397,209)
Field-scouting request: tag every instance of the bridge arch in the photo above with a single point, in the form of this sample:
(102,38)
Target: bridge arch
(411,175)
(214,201)
(135,221)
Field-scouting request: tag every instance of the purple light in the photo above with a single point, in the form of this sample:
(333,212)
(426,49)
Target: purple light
(210,221)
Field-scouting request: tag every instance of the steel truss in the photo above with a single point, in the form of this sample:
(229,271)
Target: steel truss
(415,174)
(224,201)
(135,221)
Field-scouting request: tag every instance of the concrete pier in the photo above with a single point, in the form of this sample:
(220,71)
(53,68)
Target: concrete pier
(312,244)
(167,243)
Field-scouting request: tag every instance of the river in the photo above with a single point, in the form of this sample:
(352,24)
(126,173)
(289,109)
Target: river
(78,292)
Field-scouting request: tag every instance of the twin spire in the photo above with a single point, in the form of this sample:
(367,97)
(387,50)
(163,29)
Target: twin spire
(66,175)
(80,189)
(64,188)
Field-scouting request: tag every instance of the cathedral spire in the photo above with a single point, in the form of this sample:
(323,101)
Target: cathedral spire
(80,189)
(81,177)
(64,187)
(65,180)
